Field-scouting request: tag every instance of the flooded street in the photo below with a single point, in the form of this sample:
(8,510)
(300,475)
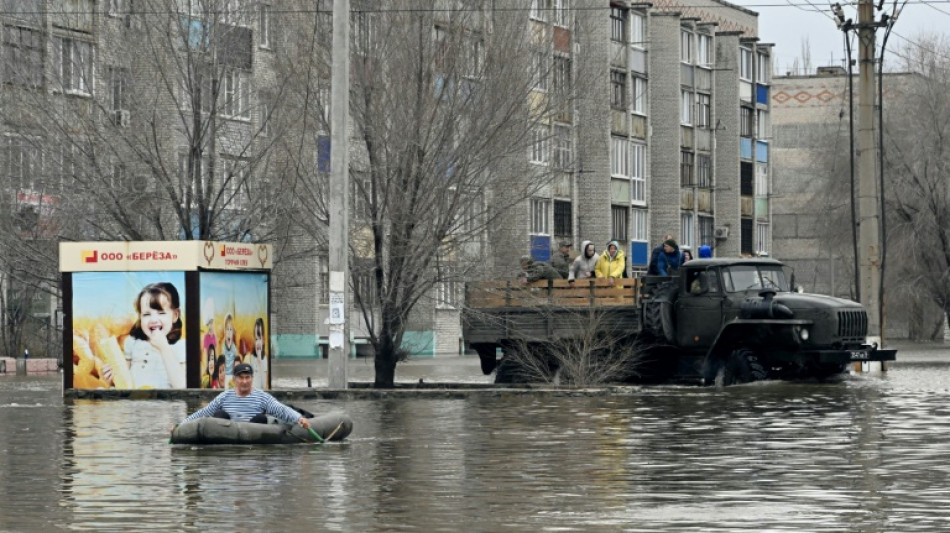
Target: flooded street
(867,454)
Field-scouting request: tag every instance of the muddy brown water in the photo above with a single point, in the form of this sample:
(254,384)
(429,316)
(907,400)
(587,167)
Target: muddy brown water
(870,453)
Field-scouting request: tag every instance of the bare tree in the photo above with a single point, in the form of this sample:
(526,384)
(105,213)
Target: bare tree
(917,162)
(447,101)
(599,354)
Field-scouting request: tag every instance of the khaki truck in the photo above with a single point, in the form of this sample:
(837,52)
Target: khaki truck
(723,320)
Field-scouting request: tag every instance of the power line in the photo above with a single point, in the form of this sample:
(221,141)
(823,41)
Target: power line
(805,5)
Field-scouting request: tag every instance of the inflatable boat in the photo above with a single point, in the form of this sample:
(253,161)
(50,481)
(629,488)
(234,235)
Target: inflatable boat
(330,427)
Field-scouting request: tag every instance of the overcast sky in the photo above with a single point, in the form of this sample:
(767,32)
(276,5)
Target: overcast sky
(786,23)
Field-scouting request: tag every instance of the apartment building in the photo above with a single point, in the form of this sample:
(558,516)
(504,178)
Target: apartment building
(674,137)
(671,134)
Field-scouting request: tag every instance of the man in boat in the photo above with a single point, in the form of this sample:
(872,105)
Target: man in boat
(244,403)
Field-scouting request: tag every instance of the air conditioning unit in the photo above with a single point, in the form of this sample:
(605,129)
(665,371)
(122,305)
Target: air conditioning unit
(121,117)
(721,232)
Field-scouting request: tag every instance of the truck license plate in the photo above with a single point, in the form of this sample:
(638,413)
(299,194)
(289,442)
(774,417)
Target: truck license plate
(858,355)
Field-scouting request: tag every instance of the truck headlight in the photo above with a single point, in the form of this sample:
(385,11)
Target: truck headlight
(803,334)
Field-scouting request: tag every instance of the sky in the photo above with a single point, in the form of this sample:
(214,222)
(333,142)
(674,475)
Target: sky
(787,23)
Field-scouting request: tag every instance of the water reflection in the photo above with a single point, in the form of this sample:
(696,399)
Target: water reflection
(867,454)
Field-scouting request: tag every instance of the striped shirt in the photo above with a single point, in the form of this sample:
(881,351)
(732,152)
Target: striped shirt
(243,408)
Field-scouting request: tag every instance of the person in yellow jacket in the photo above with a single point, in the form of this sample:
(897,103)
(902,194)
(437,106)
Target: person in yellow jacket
(612,263)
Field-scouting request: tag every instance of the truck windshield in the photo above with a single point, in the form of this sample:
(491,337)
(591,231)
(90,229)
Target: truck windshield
(752,277)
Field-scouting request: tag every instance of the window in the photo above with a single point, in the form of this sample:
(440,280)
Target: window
(638,154)
(364,287)
(702,110)
(234,183)
(23,162)
(540,9)
(618,223)
(562,74)
(619,157)
(265,119)
(22,56)
(746,119)
(746,244)
(539,216)
(762,238)
(562,218)
(236,92)
(562,13)
(194,181)
(745,64)
(746,179)
(73,14)
(637,30)
(761,180)
(263,30)
(763,71)
(762,124)
(541,71)
(703,171)
(639,95)
(539,148)
(449,289)
(638,225)
(686,46)
(704,50)
(72,65)
(686,230)
(618,89)
(686,169)
(563,147)
(706,232)
(618,23)
(118,84)
(686,108)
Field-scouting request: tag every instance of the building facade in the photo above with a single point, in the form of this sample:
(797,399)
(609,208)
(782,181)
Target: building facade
(671,135)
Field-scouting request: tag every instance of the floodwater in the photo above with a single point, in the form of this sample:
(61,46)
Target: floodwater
(870,453)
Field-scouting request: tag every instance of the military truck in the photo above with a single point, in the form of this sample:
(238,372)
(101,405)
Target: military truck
(723,320)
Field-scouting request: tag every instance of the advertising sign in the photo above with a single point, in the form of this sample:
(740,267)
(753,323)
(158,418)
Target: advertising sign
(128,330)
(234,327)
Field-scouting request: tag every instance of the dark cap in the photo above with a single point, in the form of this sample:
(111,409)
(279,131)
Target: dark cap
(242,368)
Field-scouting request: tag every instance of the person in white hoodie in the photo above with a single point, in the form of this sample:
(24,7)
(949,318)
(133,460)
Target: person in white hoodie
(583,265)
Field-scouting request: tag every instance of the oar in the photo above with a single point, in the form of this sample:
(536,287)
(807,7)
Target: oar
(328,437)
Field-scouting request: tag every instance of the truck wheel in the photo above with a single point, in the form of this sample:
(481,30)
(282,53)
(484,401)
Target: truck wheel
(658,321)
(743,367)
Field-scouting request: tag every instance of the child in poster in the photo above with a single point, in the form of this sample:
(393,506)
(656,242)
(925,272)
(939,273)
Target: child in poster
(257,357)
(156,358)
(229,349)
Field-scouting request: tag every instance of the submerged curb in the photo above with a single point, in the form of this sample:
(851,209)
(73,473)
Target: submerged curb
(363,391)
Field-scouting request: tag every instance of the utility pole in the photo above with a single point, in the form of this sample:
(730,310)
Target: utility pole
(869,202)
(339,196)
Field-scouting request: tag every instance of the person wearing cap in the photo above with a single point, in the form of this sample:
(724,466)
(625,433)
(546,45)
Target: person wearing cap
(670,259)
(561,259)
(244,403)
(655,257)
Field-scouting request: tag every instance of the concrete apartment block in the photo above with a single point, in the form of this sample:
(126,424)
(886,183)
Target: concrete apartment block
(726,156)
(665,142)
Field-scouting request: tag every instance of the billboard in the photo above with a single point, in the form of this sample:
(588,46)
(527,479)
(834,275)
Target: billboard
(128,330)
(164,315)
(234,327)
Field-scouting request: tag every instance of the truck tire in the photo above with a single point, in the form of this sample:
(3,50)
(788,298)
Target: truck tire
(658,321)
(743,367)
